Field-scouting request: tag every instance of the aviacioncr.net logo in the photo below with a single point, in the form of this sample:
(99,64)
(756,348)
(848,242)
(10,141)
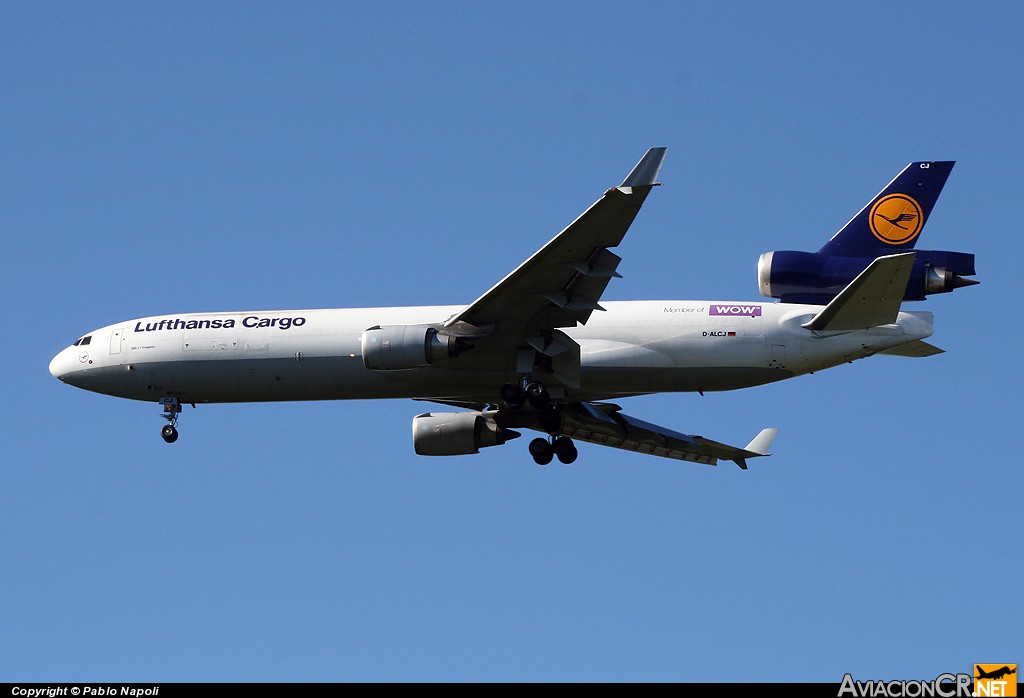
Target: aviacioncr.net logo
(943,686)
(995,680)
(896,219)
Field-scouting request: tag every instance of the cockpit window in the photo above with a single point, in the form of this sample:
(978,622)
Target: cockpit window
(83,341)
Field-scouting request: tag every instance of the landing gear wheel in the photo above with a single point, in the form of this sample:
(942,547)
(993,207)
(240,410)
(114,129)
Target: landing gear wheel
(513,396)
(172,409)
(541,451)
(538,396)
(169,433)
(565,449)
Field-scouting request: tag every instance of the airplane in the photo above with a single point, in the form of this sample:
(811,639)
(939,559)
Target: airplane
(996,674)
(541,351)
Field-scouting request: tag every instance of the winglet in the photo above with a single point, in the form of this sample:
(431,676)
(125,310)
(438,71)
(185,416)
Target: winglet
(870,300)
(645,174)
(762,442)
(758,446)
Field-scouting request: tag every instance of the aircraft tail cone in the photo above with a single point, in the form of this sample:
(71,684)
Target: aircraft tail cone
(960,282)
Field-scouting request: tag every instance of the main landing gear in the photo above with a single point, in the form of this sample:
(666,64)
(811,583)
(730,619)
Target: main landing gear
(544,450)
(172,408)
(515,396)
(549,415)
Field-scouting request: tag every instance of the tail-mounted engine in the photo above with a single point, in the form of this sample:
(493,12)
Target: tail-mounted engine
(393,347)
(457,433)
(813,277)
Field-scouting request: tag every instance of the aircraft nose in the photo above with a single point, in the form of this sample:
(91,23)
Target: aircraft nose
(61,364)
(55,366)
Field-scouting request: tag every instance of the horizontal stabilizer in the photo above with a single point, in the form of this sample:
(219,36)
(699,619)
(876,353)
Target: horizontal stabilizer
(914,350)
(871,299)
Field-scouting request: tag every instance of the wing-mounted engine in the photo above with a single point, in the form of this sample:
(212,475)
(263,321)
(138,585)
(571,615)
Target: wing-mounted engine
(395,347)
(457,433)
(814,277)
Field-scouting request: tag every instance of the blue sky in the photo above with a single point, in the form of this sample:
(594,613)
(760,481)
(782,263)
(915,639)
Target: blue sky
(171,159)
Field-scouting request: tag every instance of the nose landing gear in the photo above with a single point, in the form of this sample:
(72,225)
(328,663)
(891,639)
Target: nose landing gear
(172,408)
(169,433)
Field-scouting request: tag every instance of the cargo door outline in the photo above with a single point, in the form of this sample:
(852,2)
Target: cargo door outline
(115,340)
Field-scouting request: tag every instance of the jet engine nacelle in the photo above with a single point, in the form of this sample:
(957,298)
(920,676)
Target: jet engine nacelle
(813,277)
(457,433)
(393,347)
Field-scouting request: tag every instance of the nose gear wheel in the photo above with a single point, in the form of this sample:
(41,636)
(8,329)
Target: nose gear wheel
(172,409)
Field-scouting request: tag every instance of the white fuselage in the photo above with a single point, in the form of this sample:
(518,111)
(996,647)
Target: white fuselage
(633,348)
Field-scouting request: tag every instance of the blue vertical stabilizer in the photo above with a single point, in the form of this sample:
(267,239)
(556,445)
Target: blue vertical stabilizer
(892,221)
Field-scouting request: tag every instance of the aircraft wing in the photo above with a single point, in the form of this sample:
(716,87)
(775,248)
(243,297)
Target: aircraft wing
(560,285)
(604,424)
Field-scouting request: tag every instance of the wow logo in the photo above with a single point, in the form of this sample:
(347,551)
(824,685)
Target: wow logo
(736,310)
